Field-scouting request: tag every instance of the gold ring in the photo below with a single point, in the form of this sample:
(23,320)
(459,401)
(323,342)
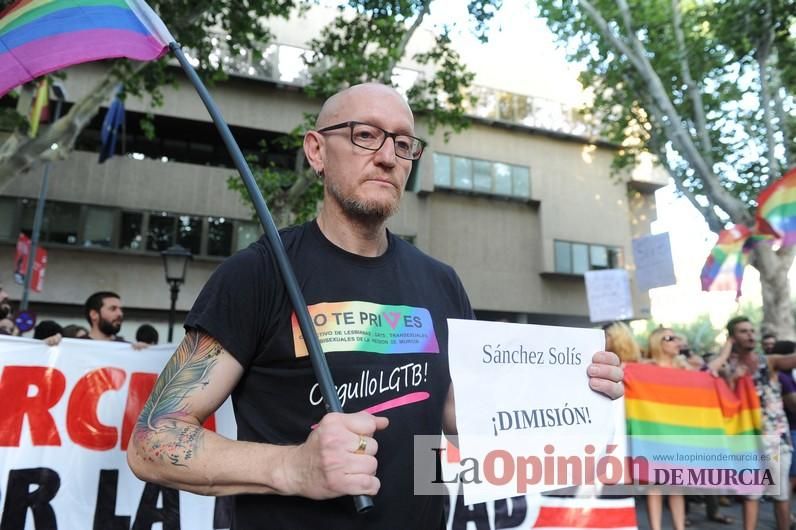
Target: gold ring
(363,444)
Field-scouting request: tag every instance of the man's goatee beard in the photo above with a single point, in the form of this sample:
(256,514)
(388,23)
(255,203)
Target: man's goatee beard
(367,213)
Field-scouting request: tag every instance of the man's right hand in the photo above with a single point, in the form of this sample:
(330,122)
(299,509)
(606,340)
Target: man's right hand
(328,464)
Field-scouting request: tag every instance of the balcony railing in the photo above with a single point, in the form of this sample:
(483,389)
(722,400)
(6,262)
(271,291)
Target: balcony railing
(286,64)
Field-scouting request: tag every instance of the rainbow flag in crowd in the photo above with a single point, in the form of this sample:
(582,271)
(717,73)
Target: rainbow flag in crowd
(723,270)
(42,36)
(691,420)
(776,210)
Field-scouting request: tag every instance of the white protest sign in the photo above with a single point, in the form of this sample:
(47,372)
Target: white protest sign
(608,295)
(653,258)
(67,415)
(523,398)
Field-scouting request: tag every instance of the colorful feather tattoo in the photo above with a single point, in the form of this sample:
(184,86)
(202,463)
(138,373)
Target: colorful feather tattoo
(158,428)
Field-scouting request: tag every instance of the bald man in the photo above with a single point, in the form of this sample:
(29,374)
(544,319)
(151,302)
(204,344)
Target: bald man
(380,307)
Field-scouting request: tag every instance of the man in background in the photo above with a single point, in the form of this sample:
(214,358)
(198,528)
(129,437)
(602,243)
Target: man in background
(5,304)
(147,334)
(767,342)
(103,311)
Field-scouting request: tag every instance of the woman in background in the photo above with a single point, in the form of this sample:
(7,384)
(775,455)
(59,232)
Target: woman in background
(664,350)
(619,339)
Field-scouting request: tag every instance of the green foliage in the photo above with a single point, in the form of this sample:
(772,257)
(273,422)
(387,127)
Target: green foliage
(197,25)
(365,42)
(275,184)
(722,40)
(10,119)
(701,334)
(368,38)
(443,97)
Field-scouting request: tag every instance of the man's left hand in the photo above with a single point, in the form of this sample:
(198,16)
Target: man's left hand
(605,374)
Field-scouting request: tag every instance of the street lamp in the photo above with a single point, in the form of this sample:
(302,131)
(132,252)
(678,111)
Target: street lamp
(175,264)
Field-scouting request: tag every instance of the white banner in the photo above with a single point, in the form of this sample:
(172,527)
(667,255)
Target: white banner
(652,256)
(67,415)
(608,295)
(523,397)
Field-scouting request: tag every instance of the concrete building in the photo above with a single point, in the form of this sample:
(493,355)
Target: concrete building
(520,204)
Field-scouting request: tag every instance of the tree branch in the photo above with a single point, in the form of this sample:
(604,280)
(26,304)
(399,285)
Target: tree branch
(400,50)
(761,56)
(700,123)
(708,213)
(20,153)
(667,115)
(779,108)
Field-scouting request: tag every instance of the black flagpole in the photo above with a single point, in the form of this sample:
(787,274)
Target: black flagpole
(363,503)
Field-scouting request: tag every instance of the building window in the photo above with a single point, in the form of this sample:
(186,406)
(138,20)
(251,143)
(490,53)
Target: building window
(166,229)
(462,173)
(482,176)
(8,213)
(248,233)
(521,181)
(189,233)
(131,235)
(219,236)
(86,225)
(577,258)
(161,231)
(442,170)
(60,224)
(502,179)
(98,227)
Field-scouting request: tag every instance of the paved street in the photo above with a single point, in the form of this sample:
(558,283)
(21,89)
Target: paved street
(696,515)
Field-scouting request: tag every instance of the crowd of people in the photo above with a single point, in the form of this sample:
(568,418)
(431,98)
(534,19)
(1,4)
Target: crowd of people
(103,313)
(241,342)
(772,373)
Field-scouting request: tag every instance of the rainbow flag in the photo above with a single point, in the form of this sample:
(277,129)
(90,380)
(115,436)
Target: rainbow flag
(42,36)
(723,270)
(691,420)
(776,210)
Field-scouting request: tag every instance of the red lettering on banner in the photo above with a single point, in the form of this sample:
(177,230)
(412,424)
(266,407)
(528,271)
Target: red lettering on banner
(138,392)
(15,384)
(82,424)
(210,423)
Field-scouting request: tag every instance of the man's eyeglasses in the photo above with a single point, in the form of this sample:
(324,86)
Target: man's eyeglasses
(372,138)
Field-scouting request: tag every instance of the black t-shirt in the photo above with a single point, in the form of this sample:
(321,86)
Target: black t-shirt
(381,322)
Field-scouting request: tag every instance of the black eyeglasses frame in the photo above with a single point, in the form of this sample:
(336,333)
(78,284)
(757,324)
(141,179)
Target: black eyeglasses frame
(387,134)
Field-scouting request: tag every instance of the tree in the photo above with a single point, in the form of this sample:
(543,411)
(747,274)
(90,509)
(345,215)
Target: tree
(365,42)
(708,87)
(195,24)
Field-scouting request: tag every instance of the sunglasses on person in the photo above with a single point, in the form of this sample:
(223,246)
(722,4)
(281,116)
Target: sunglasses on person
(670,338)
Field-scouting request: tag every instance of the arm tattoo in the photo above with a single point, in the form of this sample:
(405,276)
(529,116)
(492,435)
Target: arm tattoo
(185,372)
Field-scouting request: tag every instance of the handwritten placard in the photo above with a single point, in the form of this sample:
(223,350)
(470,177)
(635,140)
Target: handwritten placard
(522,402)
(653,258)
(608,295)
